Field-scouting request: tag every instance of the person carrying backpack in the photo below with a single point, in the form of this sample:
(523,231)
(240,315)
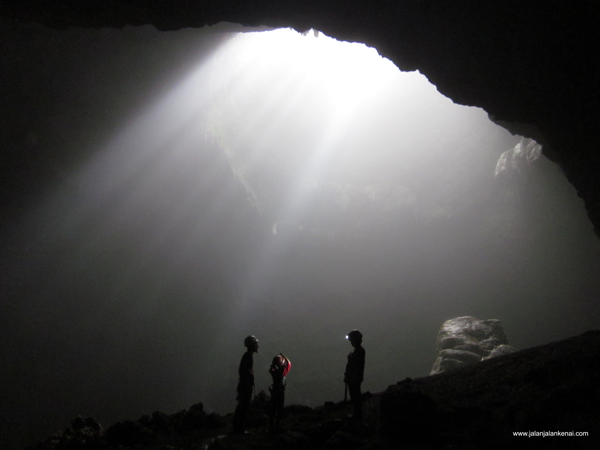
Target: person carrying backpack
(279,369)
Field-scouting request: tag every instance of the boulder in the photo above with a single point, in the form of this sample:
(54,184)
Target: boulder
(466,340)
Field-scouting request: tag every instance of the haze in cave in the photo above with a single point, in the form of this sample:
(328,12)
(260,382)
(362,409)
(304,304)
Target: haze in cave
(166,194)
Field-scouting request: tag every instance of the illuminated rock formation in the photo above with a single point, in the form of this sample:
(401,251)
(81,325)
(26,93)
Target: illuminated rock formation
(467,340)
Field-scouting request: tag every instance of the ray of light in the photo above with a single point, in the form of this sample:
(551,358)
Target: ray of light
(318,72)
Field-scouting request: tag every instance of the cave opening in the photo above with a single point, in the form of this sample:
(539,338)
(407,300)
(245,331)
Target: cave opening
(195,192)
(311,123)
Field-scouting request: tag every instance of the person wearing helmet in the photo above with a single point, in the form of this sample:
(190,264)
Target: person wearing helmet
(279,369)
(353,376)
(245,385)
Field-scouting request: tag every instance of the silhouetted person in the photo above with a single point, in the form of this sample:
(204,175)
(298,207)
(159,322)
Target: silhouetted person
(279,369)
(353,376)
(245,386)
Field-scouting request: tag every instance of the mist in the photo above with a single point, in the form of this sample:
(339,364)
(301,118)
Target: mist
(165,194)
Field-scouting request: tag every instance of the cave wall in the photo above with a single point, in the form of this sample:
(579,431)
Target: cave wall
(531,65)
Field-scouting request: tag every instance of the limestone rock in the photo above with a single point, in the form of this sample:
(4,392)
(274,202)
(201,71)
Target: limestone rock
(501,350)
(517,159)
(466,340)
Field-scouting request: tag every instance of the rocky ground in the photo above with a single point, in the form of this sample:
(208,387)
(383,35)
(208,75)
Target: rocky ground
(327,426)
(551,388)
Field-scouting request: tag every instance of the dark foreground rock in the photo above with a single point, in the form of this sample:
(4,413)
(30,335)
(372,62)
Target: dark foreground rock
(553,388)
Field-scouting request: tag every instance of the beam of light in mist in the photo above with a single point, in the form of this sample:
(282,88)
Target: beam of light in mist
(130,214)
(285,96)
(308,101)
(303,75)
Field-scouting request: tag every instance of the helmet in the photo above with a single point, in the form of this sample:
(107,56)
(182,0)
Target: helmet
(281,362)
(250,341)
(354,335)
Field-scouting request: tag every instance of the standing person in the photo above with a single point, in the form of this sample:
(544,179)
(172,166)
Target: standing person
(353,376)
(279,369)
(245,386)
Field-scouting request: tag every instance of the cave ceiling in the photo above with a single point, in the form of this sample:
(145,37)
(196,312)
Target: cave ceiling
(531,65)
